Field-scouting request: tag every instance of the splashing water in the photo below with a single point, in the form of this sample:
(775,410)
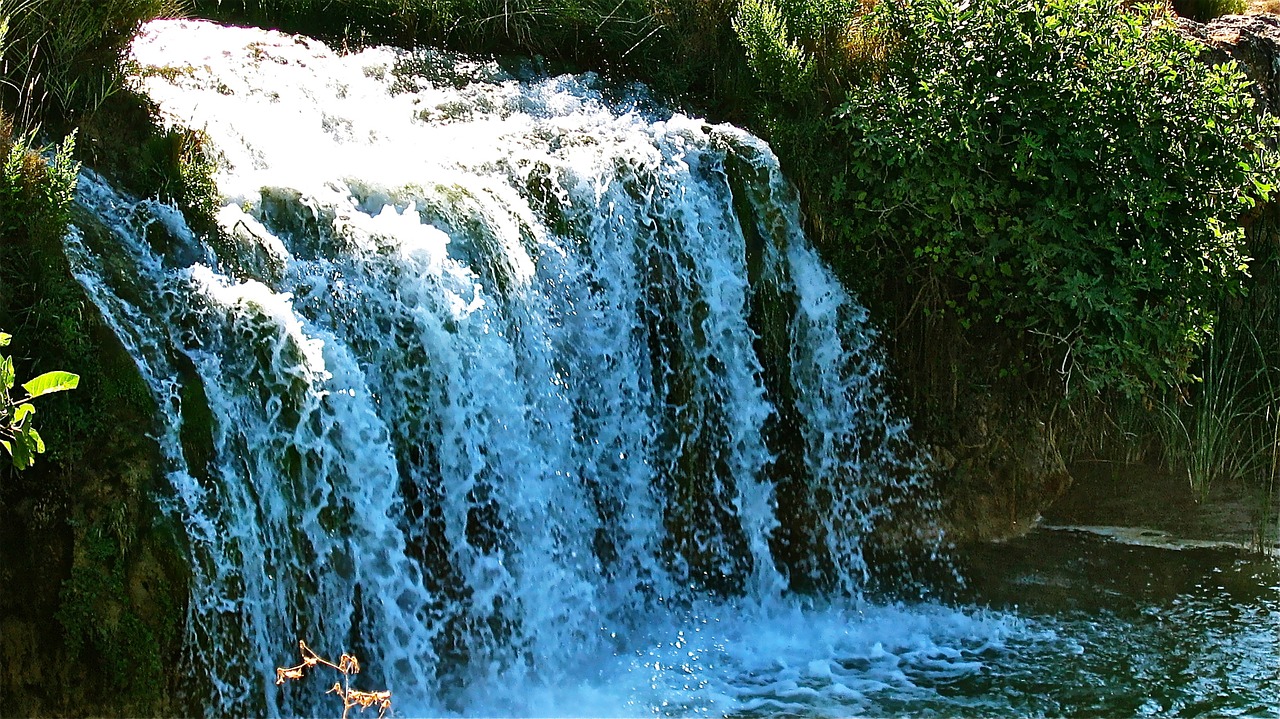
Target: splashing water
(539,402)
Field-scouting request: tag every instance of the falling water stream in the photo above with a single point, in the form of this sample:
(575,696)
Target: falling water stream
(531,394)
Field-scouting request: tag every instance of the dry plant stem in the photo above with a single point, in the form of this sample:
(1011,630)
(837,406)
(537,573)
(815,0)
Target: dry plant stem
(347,665)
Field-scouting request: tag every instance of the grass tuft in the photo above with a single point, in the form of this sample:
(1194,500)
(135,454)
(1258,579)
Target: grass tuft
(1206,10)
(62,59)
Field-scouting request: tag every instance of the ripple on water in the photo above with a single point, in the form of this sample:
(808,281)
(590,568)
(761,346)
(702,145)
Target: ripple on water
(1203,648)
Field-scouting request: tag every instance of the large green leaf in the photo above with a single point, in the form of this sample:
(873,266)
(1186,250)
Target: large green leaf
(51,382)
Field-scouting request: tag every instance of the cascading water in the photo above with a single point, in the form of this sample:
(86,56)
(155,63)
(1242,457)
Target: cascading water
(539,402)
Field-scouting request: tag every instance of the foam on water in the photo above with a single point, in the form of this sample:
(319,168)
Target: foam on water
(746,659)
(540,403)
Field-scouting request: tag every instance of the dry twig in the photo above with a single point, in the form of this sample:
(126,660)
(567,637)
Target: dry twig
(347,665)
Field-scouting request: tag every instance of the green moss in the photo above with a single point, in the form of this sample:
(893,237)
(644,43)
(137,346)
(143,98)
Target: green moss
(125,141)
(104,625)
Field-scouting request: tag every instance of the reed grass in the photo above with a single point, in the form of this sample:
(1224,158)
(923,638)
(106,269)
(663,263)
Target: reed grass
(1212,432)
(63,59)
(682,48)
(1267,533)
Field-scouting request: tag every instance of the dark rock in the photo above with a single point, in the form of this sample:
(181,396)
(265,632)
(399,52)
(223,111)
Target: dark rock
(999,478)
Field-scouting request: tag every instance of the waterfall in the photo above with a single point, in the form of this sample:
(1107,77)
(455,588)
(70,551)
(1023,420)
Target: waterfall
(532,395)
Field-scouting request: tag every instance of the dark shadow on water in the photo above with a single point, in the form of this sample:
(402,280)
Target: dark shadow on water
(1052,571)
(1114,629)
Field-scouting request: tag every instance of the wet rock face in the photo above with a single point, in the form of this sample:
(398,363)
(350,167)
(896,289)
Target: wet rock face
(92,577)
(998,479)
(1251,40)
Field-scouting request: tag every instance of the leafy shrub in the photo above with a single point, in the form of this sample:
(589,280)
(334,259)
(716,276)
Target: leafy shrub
(35,194)
(1067,170)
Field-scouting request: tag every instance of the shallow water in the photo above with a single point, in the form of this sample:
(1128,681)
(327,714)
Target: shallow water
(1057,623)
(1113,629)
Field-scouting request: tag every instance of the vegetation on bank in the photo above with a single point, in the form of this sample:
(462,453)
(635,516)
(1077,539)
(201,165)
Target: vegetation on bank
(685,49)
(35,195)
(91,589)
(1063,173)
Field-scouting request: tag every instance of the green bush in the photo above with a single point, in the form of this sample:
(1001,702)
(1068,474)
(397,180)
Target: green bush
(773,53)
(1069,171)
(35,195)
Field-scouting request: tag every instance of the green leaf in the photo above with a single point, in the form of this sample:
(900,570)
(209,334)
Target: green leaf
(5,339)
(51,382)
(21,453)
(22,411)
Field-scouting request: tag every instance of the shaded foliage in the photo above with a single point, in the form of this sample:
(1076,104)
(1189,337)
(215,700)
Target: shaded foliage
(1206,10)
(1067,171)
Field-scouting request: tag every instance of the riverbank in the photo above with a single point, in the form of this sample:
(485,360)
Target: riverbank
(1143,504)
